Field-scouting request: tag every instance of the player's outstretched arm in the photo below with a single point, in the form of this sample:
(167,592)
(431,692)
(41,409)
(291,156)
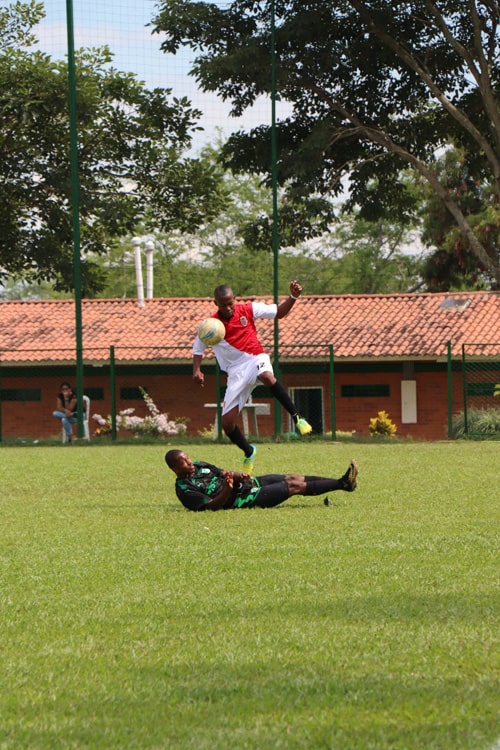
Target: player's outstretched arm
(198,376)
(287,304)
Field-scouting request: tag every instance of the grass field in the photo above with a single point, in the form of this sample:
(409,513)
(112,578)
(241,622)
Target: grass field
(128,622)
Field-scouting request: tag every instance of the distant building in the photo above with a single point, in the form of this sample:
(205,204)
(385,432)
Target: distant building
(390,352)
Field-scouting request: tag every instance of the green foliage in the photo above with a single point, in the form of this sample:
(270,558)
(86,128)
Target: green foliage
(193,263)
(352,255)
(365,257)
(16,23)
(382,425)
(479,422)
(297,222)
(375,88)
(129,622)
(453,264)
(131,168)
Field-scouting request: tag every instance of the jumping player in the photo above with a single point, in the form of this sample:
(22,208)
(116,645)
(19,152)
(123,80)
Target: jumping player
(243,358)
(203,486)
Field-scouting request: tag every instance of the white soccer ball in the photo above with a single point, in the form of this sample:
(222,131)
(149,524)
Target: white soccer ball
(211,331)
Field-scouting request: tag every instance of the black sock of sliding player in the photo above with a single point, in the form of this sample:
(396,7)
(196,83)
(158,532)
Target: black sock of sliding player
(319,485)
(237,437)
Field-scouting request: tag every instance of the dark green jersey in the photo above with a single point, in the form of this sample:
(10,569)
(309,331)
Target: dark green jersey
(207,481)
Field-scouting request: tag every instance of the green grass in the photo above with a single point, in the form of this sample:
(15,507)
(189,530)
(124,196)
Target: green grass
(128,622)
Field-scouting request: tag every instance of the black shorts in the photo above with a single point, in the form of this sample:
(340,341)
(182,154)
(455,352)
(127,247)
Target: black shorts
(273,490)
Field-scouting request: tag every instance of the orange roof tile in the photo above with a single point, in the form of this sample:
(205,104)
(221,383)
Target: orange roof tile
(360,327)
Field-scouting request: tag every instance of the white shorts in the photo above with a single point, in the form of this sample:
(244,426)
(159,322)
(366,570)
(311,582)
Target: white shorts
(242,380)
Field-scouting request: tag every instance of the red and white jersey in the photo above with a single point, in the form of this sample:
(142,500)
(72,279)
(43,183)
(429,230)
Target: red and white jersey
(241,341)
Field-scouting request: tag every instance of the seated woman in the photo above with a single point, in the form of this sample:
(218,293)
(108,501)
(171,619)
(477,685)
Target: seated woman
(66,409)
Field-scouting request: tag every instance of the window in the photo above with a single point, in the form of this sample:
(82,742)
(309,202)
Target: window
(480,389)
(131,393)
(94,394)
(365,390)
(20,394)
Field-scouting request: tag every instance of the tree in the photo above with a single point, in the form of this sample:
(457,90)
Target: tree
(130,156)
(352,256)
(452,264)
(192,263)
(375,87)
(236,240)
(365,257)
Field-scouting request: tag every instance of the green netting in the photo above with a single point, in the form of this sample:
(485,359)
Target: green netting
(125,27)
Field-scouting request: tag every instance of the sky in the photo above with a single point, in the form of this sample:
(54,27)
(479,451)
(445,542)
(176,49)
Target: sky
(123,26)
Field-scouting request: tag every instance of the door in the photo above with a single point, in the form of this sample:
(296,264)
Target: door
(309,403)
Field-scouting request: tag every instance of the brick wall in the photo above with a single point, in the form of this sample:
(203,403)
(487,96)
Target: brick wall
(180,397)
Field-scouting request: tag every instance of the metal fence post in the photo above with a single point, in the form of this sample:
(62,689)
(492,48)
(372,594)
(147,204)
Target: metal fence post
(333,416)
(0,409)
(75,211)
(218,399)
(112,376)
(464,381)
(450,421)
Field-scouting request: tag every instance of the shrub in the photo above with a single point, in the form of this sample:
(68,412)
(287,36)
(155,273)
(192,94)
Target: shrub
(479,422)
(154,424)
(382,425)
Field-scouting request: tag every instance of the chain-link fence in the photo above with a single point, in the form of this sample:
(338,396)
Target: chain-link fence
(318,384)
(481,387)
(114,376)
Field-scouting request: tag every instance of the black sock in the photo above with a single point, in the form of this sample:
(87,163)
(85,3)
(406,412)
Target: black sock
(282,396)
(319,485)
(237,437)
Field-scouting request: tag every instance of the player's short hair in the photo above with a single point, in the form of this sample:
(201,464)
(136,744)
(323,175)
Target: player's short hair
(171,458)
(223,290)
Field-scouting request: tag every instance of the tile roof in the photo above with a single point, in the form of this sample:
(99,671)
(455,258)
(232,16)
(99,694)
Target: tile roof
(360,327)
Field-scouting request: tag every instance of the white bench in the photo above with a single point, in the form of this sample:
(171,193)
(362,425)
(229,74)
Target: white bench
(251,409)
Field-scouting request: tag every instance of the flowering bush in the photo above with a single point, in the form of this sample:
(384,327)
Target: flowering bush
(154,424)
(105,425)
(382,425)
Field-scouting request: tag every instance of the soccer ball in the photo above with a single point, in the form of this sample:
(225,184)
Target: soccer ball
(211,331)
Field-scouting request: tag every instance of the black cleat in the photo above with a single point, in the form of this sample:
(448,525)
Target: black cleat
(350,478)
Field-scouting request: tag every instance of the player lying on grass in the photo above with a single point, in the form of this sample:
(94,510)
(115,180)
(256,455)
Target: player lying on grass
(203,486)
(243,358)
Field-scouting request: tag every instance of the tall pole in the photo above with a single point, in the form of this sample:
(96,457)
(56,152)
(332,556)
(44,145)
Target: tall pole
(449,389)
(274,182)
(75,209)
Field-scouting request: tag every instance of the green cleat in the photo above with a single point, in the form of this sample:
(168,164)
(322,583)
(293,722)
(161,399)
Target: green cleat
(303,427)
(248,461)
